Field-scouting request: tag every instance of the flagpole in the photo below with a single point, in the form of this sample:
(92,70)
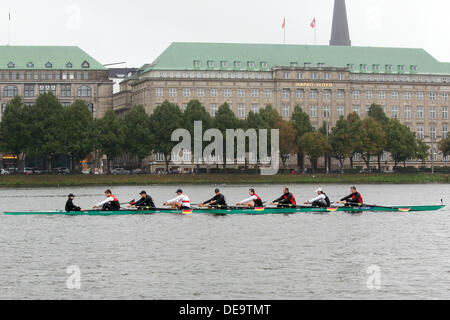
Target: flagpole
(315,32)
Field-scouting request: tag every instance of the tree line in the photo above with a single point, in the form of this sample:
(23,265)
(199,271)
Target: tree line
(47,129)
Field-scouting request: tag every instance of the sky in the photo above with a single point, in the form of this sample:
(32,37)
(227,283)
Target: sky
(137,31)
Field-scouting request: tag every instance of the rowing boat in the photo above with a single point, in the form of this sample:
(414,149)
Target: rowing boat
(240,211)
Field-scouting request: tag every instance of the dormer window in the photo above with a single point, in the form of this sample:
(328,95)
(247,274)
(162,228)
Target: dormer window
(251,64)
(307,64)
(197,64)
(294,64)
(210,64)
(389,68)
(30,65)
(363,67)
(401,68)
(376,67)
(224,64)
(69,65)
(85,65)
(413,68)
(11,64)
(264,65)
(48,65)
(237,64)
(351,66)
(321,65)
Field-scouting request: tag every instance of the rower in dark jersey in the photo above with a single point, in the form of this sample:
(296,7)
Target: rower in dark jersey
(352,200)
(145,201)
(286,200)
(217,201)
(70,207)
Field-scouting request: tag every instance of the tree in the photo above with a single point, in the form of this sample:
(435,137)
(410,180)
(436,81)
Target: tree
(373,139)
(302,125)
(78,133)
(422,151)
(288,142)
(225,119)
(111,139)
(315,145)
(163,122)
(401,142)
(355,128)
(341,141)
(47,119)
(138,135)
(376,112)
(14,130)
(270,116)
(444,146)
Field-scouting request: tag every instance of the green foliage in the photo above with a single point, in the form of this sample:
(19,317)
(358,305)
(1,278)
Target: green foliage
(401,142)
(373,139)
(315,145)
(288,140)
(138,135)
(111,135)
(444,146)
(422,151)
(341,141)
(225,119)
(376,112)
(196,112)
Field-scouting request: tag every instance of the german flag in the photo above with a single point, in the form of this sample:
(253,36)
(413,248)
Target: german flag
(332,209)
(187,211)
(259,209)
(404,209)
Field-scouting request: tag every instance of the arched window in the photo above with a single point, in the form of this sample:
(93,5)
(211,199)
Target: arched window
(85,65)
(84,91)
(10,91)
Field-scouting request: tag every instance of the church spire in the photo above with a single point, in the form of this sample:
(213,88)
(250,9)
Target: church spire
(340,35)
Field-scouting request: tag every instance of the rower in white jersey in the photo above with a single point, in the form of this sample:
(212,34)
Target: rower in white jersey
(181,201)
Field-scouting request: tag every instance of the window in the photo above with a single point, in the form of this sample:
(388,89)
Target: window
(444,131)
(313,75)
(241,93)
(254,93)
(395,112)
(369,95)
(264,65)
(419,95)
(433,155)
(64,76)
(224,64)
(11,64)
(49,65)
(445,96)
(432,132)
(255,108)
(419,112)
(407,112)
(10,91)
(341,76)
(210,64)
(433,96)
(340,111)
(237,64)
(313,111)
(327,76)
(47,88)
(382,95)
(357,110)
(227,93)
(432,113)
(327,94)
(420,133)
(313,94)
(30,65)
(29,90)
(159,92)
(69,65)
(407,96)
(85,65)
(326,111)
(300,93)
(286,111)
(251,64)
(186,92)
(214,108)
(71,76)
(65,91)
(285,75)
(172,92)
(214,93)
(340,94)
(300,75)
(268,93)
(200,93)
(394,95)
(91,107)
(84,91)
(286,93)
(389,68)
(445,113)
(241,110)
(356,94)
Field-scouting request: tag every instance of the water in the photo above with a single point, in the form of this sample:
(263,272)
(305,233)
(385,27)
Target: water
(304,256)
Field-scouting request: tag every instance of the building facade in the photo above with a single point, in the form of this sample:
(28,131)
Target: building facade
(326,81)
(68,72)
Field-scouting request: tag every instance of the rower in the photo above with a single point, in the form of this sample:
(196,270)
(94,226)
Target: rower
(146,201)
(70,207)
(111,203)
(321,201)
(217,201)
(286,200)
(353,200)
(253,202)
(181,201)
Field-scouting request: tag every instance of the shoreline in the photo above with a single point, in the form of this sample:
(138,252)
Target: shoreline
(21,181)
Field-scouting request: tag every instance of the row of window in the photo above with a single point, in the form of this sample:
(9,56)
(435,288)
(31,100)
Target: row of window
(44,75)
(64,104)
(49,65)
(29,90)
(213,93)
(408,110)
(395,95)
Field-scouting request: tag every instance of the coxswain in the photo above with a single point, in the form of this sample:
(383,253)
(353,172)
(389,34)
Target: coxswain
(111,203)
(181,201)
(354,199)
(145,201)
(217,201)
(253,202)
(286,200)
(70,207)
(321,201)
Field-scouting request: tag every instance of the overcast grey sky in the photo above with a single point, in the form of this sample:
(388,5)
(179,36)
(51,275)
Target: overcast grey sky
(137,31)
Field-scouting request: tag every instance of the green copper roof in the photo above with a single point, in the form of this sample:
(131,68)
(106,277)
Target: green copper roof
(264,57)
(46,57)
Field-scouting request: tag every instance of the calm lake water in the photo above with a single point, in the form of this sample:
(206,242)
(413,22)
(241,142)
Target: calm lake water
(304,256)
